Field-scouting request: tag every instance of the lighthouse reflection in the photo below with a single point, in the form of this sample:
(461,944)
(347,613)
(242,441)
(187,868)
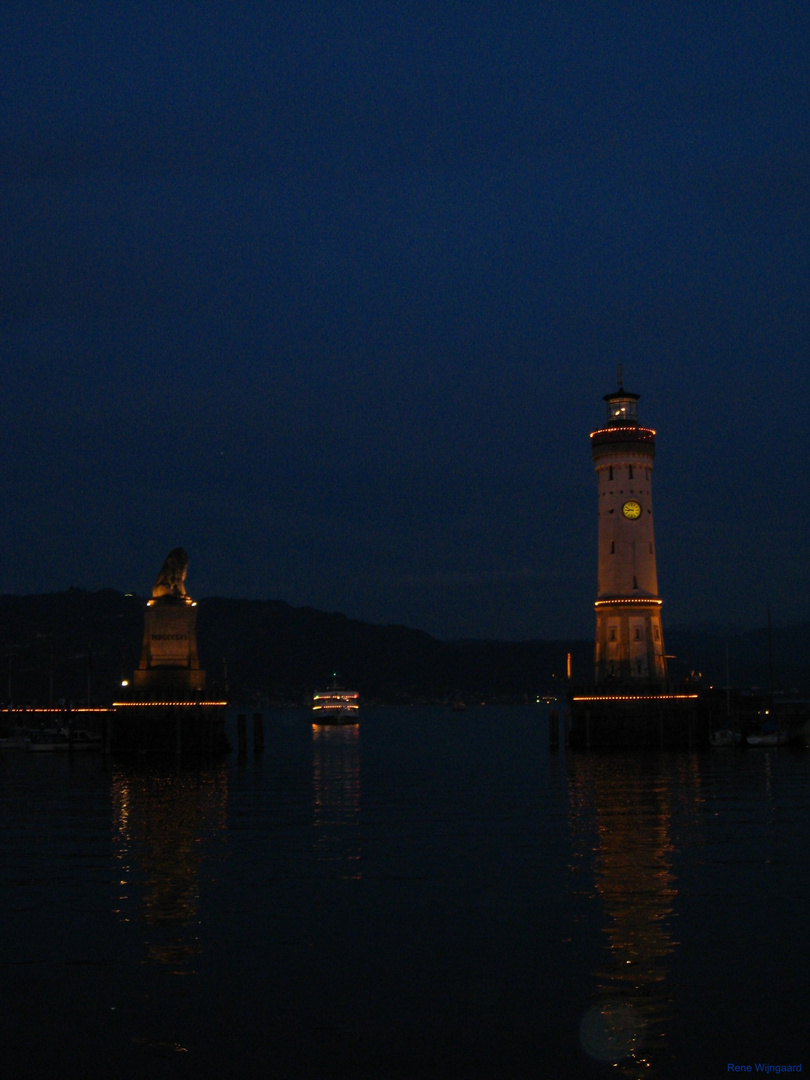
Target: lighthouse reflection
(621,812)
(166,822)
(336,790)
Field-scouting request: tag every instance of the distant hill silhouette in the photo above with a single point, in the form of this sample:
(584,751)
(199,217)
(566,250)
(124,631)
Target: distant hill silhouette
(60,645)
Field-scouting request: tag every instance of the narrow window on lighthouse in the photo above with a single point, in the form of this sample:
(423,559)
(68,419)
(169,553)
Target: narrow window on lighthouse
(638,634)
(610,472)
(613,633)
(651,551)
(630,472)
(612,547)
(635,583)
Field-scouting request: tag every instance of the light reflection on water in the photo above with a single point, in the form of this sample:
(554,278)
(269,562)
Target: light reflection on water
(425,895)
(336,793)
(165,818)
(621,808)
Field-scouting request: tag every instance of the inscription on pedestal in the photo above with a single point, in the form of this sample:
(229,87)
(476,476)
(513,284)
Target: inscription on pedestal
(172,635)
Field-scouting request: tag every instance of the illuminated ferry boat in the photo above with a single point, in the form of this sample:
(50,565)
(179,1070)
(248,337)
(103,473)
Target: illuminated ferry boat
(335,706)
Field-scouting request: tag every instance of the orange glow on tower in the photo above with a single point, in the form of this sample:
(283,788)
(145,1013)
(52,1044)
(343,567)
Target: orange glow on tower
(629,636)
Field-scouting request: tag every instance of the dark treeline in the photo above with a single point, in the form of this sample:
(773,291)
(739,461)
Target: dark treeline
(63,646)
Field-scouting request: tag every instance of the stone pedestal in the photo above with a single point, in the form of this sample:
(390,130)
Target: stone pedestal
(169,669)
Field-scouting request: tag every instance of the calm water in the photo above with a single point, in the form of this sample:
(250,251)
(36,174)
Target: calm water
(431,894)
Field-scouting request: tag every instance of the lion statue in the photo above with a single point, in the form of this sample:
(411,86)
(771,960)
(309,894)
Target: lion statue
(172,575)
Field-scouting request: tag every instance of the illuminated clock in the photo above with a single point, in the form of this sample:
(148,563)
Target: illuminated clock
(631,510)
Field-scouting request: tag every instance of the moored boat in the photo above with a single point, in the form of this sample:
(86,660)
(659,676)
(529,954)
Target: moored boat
(41,742)
(80,739)
(773,738)
(725,737)
(15,741)
(778,726)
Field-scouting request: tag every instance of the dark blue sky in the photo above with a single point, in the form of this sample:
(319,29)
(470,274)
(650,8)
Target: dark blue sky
(330,293)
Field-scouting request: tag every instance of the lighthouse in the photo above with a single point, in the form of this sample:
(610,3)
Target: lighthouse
(629,638)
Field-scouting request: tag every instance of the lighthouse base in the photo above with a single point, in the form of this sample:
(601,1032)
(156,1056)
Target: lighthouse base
(637,721)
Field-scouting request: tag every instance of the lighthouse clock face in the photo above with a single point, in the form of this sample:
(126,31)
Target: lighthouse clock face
(631,510)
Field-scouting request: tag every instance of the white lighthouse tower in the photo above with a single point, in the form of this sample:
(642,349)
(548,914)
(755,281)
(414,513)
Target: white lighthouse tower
(629,637)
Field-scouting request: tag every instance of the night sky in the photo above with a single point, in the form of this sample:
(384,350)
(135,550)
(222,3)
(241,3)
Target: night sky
(330,294)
